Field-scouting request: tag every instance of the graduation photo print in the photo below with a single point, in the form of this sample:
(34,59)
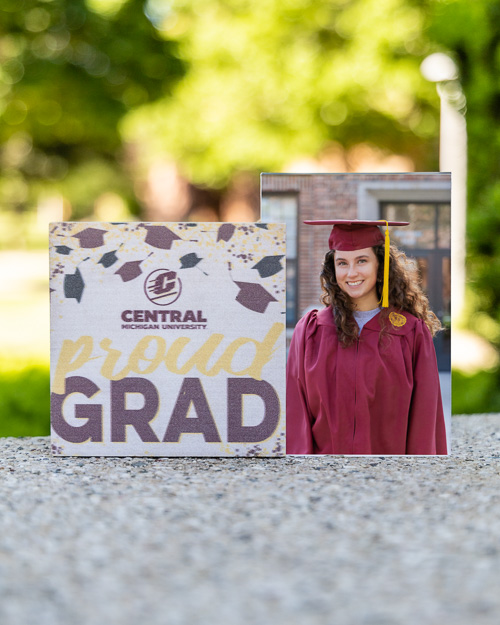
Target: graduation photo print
(368,311)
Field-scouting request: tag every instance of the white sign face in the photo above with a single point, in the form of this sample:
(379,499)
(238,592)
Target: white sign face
(167,339)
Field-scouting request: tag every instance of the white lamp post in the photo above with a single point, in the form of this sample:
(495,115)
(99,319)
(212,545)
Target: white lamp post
(441,69)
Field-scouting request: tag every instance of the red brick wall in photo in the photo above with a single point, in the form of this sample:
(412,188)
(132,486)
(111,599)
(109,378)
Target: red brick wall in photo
(324,196)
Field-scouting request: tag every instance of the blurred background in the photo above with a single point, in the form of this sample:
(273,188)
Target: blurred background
(119,110)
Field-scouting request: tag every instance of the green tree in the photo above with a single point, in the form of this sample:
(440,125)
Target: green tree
(70,71)
(269,80)
(471,32)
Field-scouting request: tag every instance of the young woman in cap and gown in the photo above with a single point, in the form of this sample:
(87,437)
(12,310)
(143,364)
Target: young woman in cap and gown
(362,375)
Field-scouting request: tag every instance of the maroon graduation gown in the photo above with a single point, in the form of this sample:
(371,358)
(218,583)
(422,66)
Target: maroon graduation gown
(370,398)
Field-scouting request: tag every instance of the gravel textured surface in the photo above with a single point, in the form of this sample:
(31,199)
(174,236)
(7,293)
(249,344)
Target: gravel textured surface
(368,541)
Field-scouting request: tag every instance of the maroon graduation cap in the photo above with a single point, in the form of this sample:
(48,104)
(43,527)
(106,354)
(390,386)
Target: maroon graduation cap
(348,235)
(355,234)
(254,296)
(225,232)
(160,237)
(90,237)
(131,269)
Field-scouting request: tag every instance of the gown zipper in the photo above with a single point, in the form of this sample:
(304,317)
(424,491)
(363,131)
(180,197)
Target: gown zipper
(355,391)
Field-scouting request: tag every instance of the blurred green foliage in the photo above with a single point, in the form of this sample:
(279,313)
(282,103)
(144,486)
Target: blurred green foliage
(24,401)
(273,80)
(471,30)
(70,70)
(92,90)
(87,86)
(476,393)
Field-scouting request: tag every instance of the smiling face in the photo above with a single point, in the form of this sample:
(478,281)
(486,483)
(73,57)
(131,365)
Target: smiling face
(356,274)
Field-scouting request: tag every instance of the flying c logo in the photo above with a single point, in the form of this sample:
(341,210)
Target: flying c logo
(163,287)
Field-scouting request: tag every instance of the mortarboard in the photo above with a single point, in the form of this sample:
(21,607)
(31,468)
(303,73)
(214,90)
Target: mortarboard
(130,271)
(63,249)
(254,296)
(348,235)
(160,237)
(225,232)
(191,260)
(108,259)
(74,285)
(91,237)
(268,266)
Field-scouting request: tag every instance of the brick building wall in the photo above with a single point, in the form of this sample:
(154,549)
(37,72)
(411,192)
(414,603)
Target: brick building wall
(337,196)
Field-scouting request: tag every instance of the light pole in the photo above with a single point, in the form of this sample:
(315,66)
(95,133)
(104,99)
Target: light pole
(441,69)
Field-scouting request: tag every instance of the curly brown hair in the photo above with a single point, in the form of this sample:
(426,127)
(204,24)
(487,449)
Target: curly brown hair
(405,294)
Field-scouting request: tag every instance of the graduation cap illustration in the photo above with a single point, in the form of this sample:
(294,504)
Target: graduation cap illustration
(130,270)
(225,232)
(252,295)
(74,285)
(160,237)
(269,265)
(64,250)
(109,258)
(191,260)
(348,235)
(90,237)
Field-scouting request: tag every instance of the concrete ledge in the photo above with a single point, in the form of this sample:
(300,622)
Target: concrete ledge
(374,541)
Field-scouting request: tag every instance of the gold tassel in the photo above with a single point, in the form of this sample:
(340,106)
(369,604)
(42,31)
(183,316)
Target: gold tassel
(385,288)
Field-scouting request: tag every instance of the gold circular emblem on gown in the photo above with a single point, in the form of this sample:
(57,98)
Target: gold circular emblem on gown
(397,320)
